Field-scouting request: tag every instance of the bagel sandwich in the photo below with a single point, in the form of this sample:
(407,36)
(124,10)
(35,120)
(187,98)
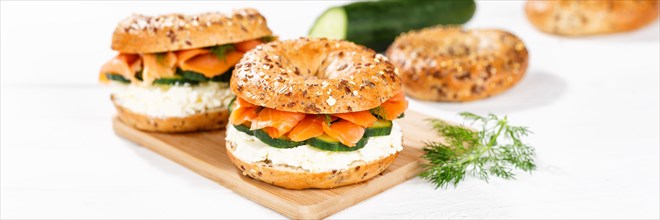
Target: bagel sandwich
(314,113)
(171,73)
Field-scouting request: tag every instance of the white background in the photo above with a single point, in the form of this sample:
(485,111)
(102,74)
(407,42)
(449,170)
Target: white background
(593,104)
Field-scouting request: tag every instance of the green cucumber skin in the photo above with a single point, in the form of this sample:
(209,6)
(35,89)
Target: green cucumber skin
(138,75)
(117,77)
(375,132)
(275,142)
(230,107)
(317,142)
(380,128)
(190,75)
(320,143)
(195,76)
(244,129)
(225,77)
(375,24)
(324,142)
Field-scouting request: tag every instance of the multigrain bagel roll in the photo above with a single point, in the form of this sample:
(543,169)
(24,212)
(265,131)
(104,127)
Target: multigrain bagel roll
(314,113)
(580,17)
(315,76)
(171,73)
(453,65)
(174,32)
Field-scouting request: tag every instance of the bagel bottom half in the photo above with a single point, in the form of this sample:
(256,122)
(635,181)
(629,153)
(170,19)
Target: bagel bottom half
(296,178)
(209,120)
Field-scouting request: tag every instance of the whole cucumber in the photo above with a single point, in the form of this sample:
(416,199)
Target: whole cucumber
(375,24)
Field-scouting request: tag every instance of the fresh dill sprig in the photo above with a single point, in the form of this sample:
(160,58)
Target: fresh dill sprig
(221,51)
(160,57)
(267,39)
(378,112)
(328,119)
(494,150)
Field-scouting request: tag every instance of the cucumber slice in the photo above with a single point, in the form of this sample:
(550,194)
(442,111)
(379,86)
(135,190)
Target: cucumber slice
(174,81)
(331,24)
(281,142)
(267,39)
(231,106)
(225,77)
(195,76)
(325,142)
(380,128)
(375,24)
(245,129)
(138,75)
(117,77)
(191,75)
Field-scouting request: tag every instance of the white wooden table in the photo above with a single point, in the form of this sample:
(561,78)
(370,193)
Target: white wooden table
(593,104)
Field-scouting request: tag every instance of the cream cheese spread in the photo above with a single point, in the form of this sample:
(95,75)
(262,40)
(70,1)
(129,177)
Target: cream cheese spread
(172,101)
(250,149)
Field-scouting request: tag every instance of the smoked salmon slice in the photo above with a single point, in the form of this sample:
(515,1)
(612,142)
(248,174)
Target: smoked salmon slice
(243,112)
(242,115)
(242,103)
(394,106)
(123,64)
(158,66)
(311,126)
(362,118)
(345,131)
(276,123)
(245,46)
(207,63)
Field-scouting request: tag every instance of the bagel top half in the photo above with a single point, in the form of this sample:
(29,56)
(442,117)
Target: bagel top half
(171,32)
(315,76)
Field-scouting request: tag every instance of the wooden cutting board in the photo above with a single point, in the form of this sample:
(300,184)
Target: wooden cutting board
(204,153)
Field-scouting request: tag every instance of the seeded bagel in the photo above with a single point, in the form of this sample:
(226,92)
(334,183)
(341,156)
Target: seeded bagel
(579,17)
(315,76)
(452,64)
(153,34)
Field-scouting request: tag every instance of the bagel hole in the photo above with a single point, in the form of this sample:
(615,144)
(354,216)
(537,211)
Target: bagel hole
(323,67)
